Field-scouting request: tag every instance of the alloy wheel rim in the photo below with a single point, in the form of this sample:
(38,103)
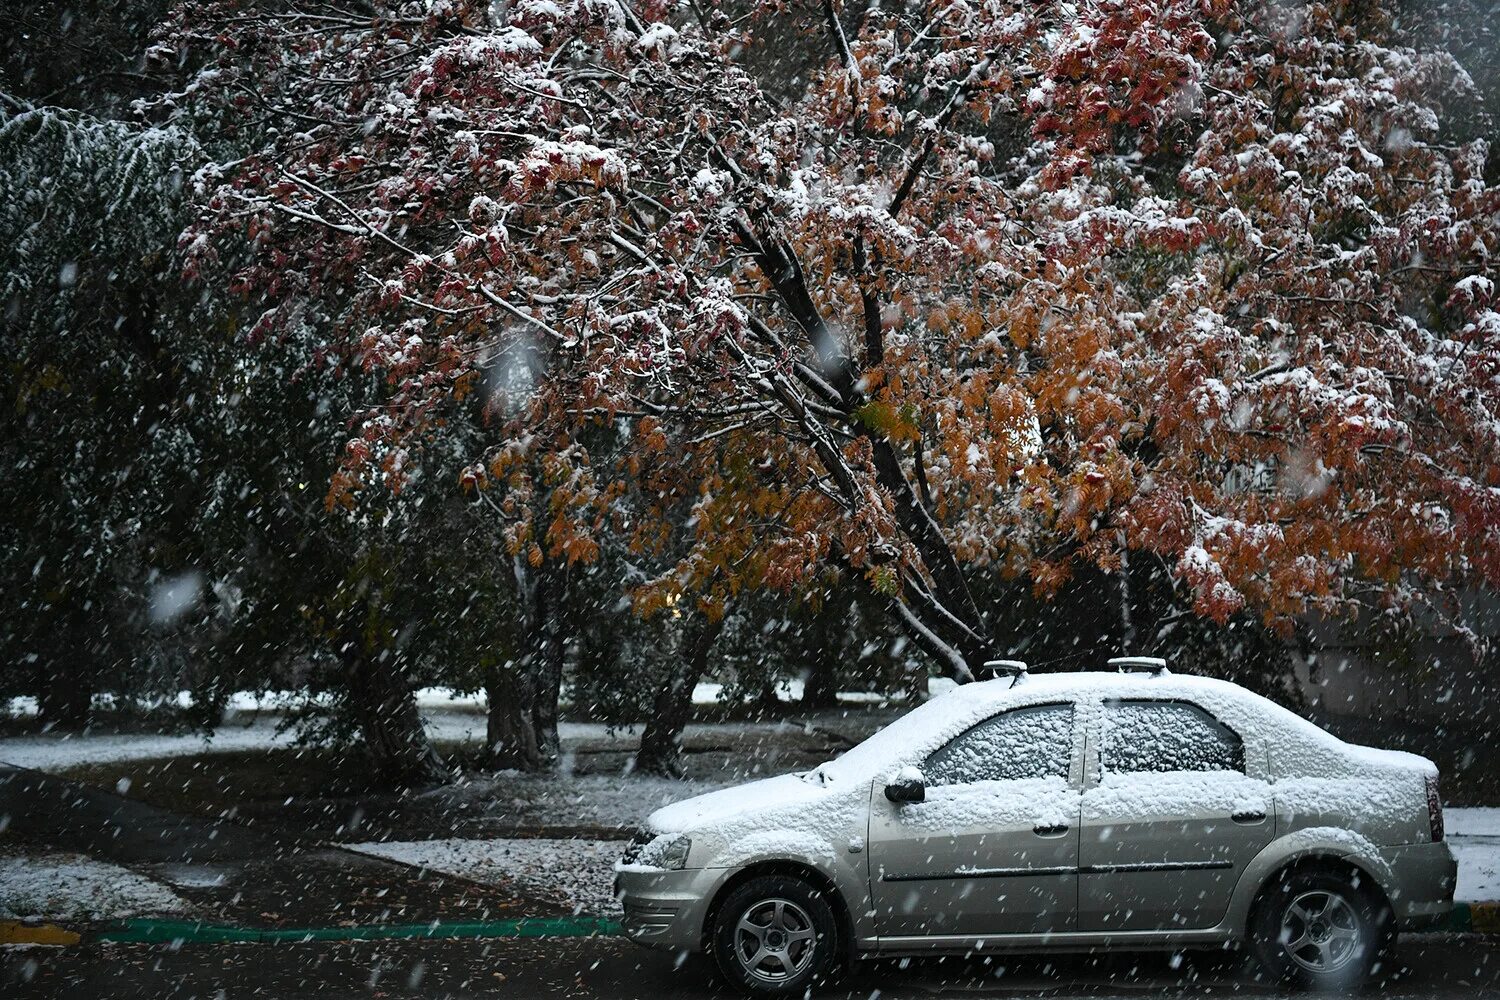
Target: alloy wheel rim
(1320,931)
(774,940)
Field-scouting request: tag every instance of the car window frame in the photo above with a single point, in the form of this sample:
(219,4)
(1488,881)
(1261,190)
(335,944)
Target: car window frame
(1072,772)
(1105,704)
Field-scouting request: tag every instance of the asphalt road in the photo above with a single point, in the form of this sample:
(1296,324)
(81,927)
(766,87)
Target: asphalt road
(1436,966)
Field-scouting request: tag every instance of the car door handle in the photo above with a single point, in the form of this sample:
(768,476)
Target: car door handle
(1248,815)
(1050,829)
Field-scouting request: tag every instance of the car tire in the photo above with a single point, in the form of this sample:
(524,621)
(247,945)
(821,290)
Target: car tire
(776,936)
(1322,930)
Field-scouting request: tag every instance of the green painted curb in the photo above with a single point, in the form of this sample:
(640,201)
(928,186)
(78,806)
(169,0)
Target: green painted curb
(144,930)
(1481,918)
(1478,918)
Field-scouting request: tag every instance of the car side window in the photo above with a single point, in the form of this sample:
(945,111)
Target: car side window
(1143,736)
(1035,742)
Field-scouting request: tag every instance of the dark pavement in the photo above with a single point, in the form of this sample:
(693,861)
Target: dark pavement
(69,816)
(239,876)
(611,969)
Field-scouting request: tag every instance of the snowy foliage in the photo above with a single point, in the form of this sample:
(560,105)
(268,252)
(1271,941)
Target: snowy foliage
(85,196)
(1218,307)
(85,236)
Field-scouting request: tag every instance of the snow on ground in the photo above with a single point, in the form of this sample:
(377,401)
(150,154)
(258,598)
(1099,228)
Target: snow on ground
(1474,835)
(1478,870)
(1463,821)
(253,723)
(62,751)
(577,873)
(446,700)
(64,886)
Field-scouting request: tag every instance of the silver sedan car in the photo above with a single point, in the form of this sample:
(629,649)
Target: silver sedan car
(1129,810)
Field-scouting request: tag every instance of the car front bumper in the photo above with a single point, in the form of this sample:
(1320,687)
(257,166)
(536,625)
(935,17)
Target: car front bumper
(667,909)
(1423,877)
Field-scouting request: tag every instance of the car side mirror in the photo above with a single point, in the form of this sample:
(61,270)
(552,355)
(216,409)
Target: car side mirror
(907,785)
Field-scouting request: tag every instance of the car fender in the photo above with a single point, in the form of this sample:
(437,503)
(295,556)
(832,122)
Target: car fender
(776,845)
(846,869)
(1299,845)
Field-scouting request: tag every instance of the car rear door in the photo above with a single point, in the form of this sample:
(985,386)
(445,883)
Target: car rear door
(1170,818)
(994,848)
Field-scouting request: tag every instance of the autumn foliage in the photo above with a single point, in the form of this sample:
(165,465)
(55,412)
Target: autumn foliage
(1003,290)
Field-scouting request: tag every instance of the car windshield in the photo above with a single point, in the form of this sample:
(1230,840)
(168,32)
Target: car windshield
(880,748)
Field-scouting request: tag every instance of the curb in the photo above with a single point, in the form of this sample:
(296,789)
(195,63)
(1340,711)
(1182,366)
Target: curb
(148,931)
(18,932)
(1475,918)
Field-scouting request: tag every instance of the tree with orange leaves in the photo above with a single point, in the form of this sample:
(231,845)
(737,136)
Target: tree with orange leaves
(1002,290)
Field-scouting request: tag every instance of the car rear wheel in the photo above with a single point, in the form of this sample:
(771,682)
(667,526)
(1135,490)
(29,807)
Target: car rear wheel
(776,936)
(1321,930)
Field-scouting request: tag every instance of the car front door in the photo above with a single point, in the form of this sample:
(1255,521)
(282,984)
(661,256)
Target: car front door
(993,849)
(1170,818)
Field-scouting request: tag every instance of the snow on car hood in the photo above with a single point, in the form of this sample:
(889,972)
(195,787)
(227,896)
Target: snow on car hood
(715,809)
(792,816)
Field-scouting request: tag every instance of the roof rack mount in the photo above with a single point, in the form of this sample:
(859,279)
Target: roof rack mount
(1006,667)
(1014,669)
(1153,665)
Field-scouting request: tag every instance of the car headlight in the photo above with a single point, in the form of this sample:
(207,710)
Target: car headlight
(669,851)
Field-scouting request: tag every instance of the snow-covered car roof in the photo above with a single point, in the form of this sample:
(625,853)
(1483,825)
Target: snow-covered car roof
(1256,719)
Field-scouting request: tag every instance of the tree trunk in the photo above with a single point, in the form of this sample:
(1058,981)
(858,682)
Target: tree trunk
(661,740)
(390,724)
(510,740)
(821,684)
(820,688)
(549,640)
(547,690)
(66,700)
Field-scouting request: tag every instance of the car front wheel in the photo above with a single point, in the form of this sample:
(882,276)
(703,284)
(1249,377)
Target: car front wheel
(776,936)
(1321,930)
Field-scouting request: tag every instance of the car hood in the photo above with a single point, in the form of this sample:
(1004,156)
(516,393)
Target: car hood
(715,809)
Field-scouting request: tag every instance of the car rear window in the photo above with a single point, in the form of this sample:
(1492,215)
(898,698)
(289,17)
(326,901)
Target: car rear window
(1166,736)
(1035,742)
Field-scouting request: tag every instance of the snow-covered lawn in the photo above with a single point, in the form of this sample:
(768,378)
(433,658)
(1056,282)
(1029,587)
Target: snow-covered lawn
(446,700)
(1466,821)
(577,873)
(1474,835)
(253,725)
(59,752)
(65,750)
(64,886)
(62,751)
(1478,871)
